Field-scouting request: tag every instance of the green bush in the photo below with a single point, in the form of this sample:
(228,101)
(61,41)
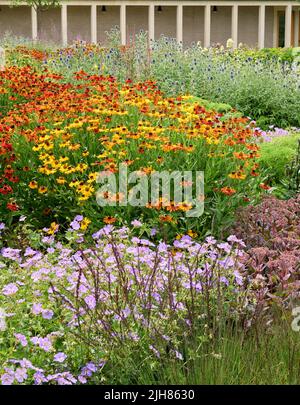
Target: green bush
(277,154)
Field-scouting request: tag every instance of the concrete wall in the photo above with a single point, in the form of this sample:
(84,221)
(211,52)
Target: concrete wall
(248,25)
(49,28)
(193,25)
(106,21)
(221,25)
(17,20)
(79,23)
(165,22)
(136,20)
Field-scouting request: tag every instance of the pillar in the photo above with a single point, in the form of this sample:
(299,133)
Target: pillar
(179,24)
(288,26)
(261,26)
(64,25)
(207,25)
(94,23)
(123,23)
(234,25)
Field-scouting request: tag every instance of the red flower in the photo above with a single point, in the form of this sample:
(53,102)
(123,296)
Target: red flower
(12,206)
(6,189)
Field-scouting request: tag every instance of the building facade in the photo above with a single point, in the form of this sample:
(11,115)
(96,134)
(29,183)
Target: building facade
(254,23)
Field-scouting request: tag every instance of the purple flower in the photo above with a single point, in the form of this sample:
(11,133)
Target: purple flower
(178,355)
(153,232)
(75,225)
(43,343)
(60,357)
(21,338)
(7,379)
(21,374)
(10,289)
(136,223)
(155,351)
(9,253)
(37,309)
(47,314)
(39,378)
(90,301)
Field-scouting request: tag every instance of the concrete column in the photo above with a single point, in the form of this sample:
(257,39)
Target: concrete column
(179,24)
(94,23)
(288,26)
(123,23)
(34,23)
(207,25)
(275,27)
(296,28)
(64,25)
(234,25)
(151,22)
(261,26)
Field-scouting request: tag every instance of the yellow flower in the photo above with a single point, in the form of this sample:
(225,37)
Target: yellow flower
(191,233)
(53,228)
(85,223)
(60,180)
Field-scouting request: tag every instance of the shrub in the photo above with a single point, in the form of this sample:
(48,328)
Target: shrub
(271,232)
(277,154)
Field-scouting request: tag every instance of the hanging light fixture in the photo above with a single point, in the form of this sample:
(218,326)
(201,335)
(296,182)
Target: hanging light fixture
(159,9)
(215,9)
(103,9)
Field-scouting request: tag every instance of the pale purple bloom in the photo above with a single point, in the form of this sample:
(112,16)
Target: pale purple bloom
(10,289)
(136,223)
(21,338)
(47,314)
(178,355)
(60,357)
(37,308)
(75,225)
(21,374)
(155,351)
(7,379)
(90,301)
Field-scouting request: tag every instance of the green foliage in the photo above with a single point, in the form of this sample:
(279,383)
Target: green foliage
(38,4)
(277,154)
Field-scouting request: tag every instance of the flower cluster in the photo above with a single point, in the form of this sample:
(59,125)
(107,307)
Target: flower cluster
(68,305)
(60,136)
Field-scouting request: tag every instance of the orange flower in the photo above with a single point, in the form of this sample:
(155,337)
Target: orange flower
(264,186)
(109,220)
(33,184)
(42,190)
(167,218)
(228,190)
